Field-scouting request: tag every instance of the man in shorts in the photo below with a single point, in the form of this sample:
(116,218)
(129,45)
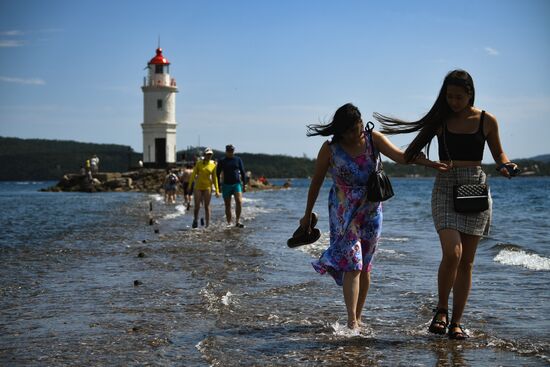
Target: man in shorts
(233,183)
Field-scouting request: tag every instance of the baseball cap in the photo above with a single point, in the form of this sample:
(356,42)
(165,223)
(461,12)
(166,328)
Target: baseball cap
(229,148)
(208,151)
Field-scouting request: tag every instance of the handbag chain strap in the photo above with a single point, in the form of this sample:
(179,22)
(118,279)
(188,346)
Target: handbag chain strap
(378,162)
(445,144)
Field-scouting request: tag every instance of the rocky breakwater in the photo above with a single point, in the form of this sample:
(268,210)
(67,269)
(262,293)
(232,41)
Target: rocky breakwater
(143,180)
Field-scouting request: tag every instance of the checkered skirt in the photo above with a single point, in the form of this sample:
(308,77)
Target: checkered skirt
(443,213)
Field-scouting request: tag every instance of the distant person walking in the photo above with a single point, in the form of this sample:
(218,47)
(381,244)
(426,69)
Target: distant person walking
(232,169)
(170,186)
(204,176)
(355,222)
(88,169)
(185,177)
(461,131)
(94,164)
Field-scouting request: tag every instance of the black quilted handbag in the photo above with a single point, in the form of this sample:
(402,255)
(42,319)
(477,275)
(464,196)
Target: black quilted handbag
(379,187)
(471,198)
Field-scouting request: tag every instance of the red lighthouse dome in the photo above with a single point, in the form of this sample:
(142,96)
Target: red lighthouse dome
(159,59)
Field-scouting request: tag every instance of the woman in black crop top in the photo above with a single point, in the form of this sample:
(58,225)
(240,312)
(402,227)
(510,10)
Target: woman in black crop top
(461,131)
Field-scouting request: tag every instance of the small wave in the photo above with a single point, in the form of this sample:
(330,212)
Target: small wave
(226,298)
(251,212)
(522,258)
(212,301)
(389,253)
(156,197)
(395,239)
(342,330)
(180,210)
(522,347)
(506,246)
(248,200)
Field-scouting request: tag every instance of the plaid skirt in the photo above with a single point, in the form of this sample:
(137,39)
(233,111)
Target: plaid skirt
(443,212)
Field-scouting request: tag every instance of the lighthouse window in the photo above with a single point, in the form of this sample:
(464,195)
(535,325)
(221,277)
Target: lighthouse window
(159,104)
(158,69)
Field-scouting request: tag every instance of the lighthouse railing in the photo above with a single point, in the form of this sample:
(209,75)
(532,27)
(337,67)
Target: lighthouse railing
(159,83)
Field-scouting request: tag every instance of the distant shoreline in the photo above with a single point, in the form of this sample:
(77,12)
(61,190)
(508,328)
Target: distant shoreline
(41,159)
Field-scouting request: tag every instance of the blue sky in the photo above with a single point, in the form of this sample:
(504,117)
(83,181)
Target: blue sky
(255,73)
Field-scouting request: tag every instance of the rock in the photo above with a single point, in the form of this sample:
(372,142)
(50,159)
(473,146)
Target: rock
(107,176)
(137,283)
(119,183)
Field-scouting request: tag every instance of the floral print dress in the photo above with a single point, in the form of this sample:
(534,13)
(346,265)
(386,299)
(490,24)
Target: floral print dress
(355,222)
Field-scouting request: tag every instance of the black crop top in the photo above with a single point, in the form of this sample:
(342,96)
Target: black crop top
(462,147)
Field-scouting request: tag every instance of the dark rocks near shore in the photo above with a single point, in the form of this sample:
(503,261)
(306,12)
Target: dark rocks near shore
(142,180)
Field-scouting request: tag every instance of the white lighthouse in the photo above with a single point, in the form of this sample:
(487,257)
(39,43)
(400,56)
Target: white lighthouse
(159,114)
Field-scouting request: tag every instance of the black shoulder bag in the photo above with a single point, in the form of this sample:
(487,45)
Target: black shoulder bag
(468,198)
(378,185)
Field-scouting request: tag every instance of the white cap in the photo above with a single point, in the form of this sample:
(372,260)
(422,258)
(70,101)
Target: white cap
(208,151)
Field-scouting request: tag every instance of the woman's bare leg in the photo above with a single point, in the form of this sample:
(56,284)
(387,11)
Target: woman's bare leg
(451,246)
(364,284)
(463,281)
(207,195)
(351,295)
(198,199)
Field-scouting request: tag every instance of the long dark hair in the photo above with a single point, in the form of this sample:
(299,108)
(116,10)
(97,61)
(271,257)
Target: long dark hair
(344,118)
(433,120)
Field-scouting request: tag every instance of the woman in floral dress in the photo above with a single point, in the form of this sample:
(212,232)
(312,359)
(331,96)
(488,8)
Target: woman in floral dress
(355,222)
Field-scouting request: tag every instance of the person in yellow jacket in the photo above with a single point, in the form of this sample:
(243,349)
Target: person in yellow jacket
(204,173)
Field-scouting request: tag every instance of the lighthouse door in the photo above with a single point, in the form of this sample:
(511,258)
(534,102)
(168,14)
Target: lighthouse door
(160,151)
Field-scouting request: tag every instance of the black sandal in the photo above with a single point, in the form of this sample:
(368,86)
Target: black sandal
(439,326)
(457,335)
(300,237)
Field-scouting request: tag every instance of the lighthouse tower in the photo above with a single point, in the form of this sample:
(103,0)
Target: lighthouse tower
(159,114)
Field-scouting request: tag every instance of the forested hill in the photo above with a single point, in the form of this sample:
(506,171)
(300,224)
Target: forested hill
(39,159)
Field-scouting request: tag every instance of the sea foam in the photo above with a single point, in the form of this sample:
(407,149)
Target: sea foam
(180,210)
(522,258)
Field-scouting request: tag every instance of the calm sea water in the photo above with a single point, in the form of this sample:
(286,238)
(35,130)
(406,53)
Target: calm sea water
(85,280)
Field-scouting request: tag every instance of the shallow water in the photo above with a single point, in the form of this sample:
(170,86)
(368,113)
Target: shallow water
(239,297)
